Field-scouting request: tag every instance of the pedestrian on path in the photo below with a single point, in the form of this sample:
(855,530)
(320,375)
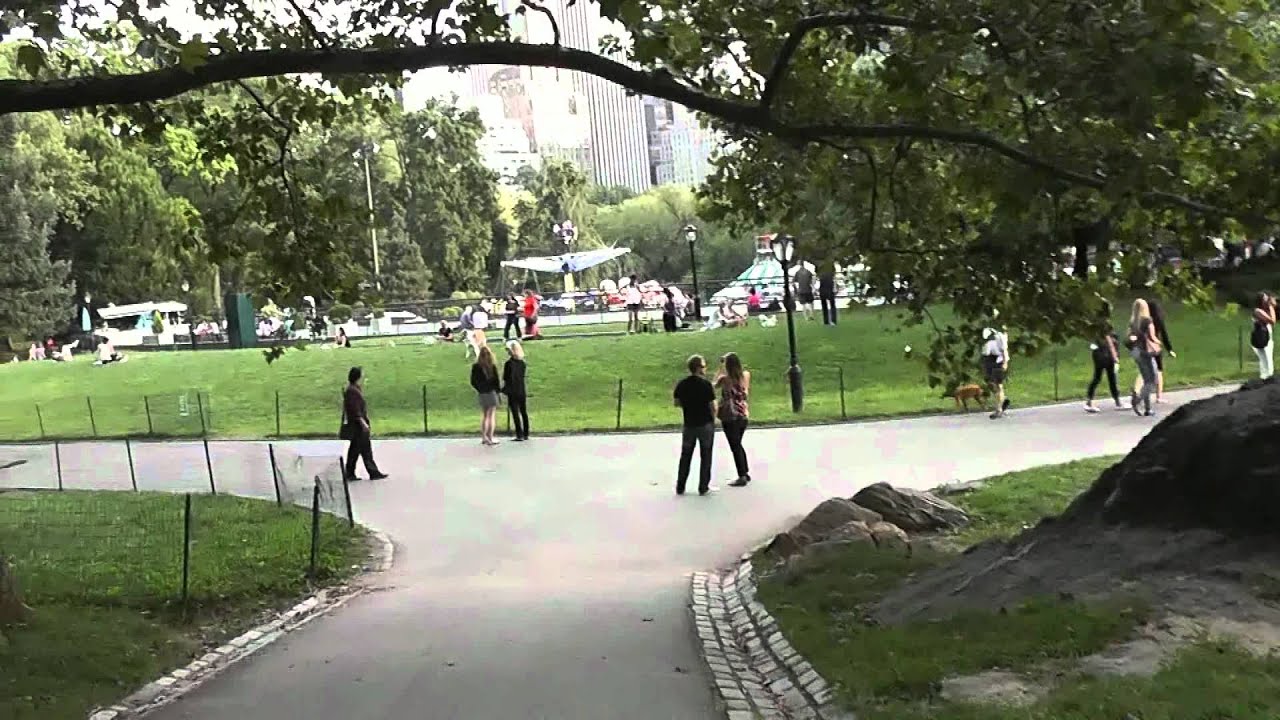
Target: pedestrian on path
(513,386)
(531,315)
(1143,346)
(734,384)
(1162,332)
(995,367)
(1262,338)
(695,396)
(1106,358)
(513,317)
(466,323)
(804,290)
(634,302)
(355,428)
(484,378)
(827,294)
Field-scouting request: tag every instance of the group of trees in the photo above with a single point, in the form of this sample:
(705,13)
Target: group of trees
(234,192)
(956,147)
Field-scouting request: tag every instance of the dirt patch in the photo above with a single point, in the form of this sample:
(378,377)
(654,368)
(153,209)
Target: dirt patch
(993,687)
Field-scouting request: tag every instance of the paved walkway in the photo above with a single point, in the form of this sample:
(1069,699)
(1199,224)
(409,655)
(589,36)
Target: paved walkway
(548,580)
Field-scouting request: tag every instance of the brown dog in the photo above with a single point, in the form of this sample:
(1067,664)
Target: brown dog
(965,393)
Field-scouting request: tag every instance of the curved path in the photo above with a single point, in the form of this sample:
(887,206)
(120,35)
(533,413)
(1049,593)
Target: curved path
(549,579)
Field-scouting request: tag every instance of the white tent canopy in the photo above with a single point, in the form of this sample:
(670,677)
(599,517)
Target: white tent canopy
(567,263)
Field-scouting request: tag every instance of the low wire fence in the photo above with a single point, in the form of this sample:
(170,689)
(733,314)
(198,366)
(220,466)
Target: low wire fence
(616,401)
(274,519)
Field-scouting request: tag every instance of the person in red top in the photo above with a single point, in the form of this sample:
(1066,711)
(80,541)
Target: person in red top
(753,301)
(530,314)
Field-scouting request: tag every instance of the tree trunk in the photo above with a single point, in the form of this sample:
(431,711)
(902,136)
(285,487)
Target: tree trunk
(12,609)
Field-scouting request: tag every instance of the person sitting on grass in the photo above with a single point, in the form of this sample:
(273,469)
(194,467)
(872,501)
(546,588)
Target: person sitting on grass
(66,354)
(341,340)
(35,352)
(445,333)
(107,353)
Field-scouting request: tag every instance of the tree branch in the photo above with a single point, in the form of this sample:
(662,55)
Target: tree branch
(130,88)
(319,39)
(815,22)
(555,27)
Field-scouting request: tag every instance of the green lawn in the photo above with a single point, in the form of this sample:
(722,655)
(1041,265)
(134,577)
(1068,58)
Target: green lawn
(103,572)
(892,673)
(573,382)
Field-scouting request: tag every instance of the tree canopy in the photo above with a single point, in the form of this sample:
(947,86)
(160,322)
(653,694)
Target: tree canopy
(956,147)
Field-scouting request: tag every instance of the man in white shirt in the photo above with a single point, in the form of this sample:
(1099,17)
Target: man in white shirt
(634,303)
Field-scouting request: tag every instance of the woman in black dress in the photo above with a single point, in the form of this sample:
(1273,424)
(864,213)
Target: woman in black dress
(484,379)
(513,386)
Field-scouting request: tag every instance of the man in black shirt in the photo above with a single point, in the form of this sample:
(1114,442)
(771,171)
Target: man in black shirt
(827,294)
(695,396)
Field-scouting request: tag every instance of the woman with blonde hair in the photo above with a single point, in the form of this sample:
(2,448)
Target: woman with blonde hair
(1143,347)
(484,378)
(513,386)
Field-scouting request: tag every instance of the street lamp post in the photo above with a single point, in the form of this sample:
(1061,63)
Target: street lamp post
(566,232)
(783,247)
(691,234)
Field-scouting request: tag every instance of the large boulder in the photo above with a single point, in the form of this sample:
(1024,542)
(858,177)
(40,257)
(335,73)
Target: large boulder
(1213,463)
(911,510)
(829,515)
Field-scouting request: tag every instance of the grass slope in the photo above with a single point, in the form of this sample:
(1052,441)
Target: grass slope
(104,570)
(892,673)
(573,382)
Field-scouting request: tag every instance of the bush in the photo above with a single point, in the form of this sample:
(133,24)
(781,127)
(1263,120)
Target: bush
(157,323)
(453,312)
(379,312)
(340,313)
(464,295)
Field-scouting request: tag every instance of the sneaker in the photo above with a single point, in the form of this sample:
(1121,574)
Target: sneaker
(1090,409)
(996,415)
(1149,413)
(741,482)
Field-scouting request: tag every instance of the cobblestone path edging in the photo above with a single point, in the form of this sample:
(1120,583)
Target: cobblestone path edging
(758,675)
(169,688)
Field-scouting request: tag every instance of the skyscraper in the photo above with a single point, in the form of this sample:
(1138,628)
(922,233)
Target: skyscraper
(680,148)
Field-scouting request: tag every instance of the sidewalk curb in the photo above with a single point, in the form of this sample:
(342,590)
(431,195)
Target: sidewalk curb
(169,688)
(758,675)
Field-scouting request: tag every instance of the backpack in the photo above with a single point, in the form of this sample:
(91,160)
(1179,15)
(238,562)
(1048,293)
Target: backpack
(1260,336)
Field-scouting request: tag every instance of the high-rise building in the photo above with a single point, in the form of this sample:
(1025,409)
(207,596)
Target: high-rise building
(680,149)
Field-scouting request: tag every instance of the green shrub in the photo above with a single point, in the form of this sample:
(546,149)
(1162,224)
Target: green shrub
(453,312)
(464,295)
(157,323)
(340,313)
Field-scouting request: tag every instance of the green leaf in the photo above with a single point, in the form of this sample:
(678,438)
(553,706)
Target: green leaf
(31,59)
(194,54)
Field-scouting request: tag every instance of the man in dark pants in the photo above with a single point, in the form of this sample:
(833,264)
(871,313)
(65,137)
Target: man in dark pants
(355,427)
(827,294)
(695,396)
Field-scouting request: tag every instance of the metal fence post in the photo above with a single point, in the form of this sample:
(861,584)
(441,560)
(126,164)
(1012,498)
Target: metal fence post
(208,463)
(146,403)
(204,430)
(426,425)
(315,528)
(275,477)
(133,477)
(93,424)
(40,419)
(346,491)
(277,413)
(842,414)
(1055,375)
(57,459)
(618,424)
(186,550)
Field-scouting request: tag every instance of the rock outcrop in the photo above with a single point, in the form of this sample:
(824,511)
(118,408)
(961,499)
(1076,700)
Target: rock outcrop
(1211,464)
(911,510)
(829,515)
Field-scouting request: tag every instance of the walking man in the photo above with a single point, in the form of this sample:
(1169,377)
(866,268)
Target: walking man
(355,428)
(695,396)
(827,294)
(804,289)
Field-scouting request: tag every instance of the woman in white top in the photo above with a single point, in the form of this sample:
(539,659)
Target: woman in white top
(1262,338)
(634,303)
